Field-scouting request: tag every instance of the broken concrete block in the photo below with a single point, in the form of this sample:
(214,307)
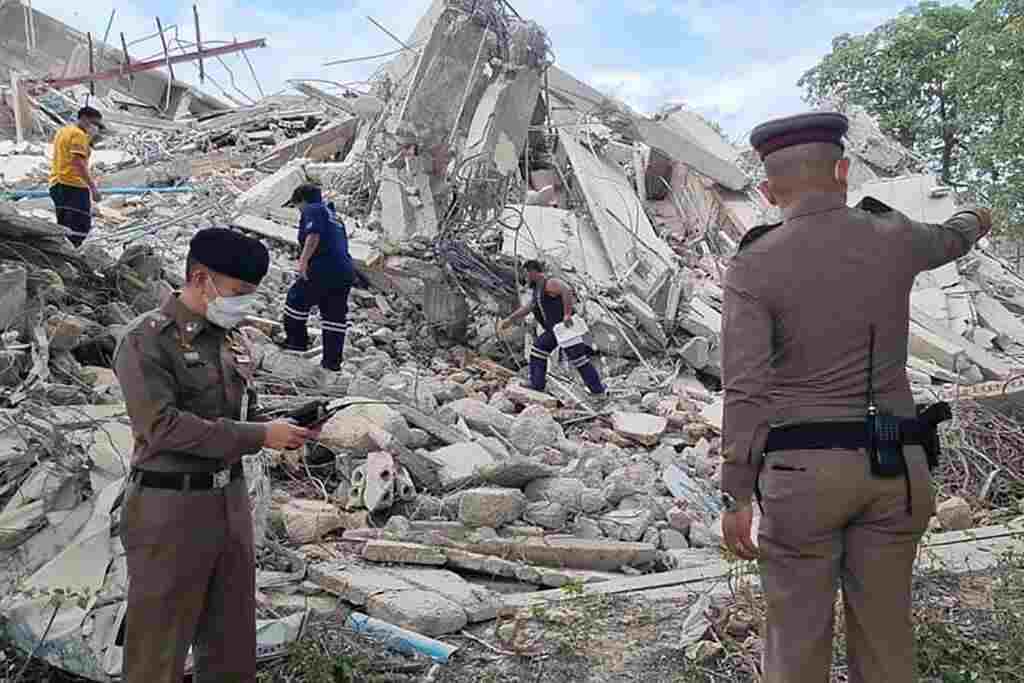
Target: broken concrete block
(490,507)
(696,353)
(306,521)
(548,515)
(628,481)
(479,604)
(66,331)
(955,514)
(647,429)
(569,552)
(526,396)
(274,190)
(379,487)
(563,490)
(515,472)
(461,463)
(421,611)
(477,414)
(402,553)
(673,540)
(384,416)
(625,525)
(530,432)
(322,144)
(349,432)
(353,583)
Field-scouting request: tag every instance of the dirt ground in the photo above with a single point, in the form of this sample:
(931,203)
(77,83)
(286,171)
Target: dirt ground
(970,628)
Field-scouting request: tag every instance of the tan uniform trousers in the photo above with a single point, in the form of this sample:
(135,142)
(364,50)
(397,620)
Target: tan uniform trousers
(191,571)
(828,521)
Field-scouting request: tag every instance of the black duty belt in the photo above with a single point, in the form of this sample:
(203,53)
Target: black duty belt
(190,481)
(815,436)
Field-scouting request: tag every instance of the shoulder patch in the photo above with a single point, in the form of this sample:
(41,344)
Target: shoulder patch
(875,206)
(756,233)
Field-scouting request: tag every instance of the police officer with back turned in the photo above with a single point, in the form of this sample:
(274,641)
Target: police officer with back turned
(820,426)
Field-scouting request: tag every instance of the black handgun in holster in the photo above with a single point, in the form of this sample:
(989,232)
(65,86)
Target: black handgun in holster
(929,418)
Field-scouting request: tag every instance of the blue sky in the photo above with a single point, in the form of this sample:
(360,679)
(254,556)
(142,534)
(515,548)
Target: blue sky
(735,62)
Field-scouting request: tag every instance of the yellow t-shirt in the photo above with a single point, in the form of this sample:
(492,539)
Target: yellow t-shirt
(70,141)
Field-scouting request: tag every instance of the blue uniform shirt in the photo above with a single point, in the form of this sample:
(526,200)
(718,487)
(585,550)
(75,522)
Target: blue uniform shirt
(331,261)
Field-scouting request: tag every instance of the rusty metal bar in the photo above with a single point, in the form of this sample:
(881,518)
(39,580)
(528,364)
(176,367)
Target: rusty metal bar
(152,64)
(127,63)
(199,44)
(92,66)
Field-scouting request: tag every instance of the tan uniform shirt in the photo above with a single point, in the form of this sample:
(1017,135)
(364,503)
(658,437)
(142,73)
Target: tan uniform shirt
(184,382)
(798,305)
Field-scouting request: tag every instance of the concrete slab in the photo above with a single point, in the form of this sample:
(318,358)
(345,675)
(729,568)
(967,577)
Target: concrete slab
(500,124)
(421,611)
(625,230)
(647,429)
(324,144)
(557,236)
(354,583)
(274,190)
(480,604)
(910,195)
(402,553)
(567,551)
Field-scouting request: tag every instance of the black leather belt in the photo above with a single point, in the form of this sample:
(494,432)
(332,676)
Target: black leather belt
(187,481)
(817,436)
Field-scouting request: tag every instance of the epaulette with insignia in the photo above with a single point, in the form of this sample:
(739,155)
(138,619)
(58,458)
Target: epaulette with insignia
(756,233)
(872,205)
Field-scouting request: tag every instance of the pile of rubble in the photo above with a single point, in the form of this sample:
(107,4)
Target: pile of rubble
(447,483)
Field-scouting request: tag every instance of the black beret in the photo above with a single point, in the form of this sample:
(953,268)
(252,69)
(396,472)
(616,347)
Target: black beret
(230,253)
(771,136)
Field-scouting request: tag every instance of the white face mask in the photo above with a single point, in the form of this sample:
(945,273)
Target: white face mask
(229,311)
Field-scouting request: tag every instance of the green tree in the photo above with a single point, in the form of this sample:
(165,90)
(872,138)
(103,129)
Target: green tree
(948,83)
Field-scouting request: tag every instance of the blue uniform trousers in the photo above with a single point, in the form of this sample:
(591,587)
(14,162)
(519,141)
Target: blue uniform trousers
(332,300)
(579,358)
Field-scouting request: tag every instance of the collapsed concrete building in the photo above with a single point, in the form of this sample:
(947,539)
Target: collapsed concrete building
(446,484)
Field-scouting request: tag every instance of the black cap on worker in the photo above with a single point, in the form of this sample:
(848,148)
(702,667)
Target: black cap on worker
(93,115)
(802,129)
(307,192)
(230,253)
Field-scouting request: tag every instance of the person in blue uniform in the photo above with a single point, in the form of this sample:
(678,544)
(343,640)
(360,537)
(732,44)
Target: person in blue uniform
(552,303)
(326,276)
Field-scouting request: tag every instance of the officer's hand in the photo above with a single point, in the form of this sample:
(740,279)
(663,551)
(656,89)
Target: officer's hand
(96,196)
(736,527)
(282,435)
(568,321)
(303,270)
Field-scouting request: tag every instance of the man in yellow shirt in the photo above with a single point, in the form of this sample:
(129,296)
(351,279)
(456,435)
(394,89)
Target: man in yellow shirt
(72,188)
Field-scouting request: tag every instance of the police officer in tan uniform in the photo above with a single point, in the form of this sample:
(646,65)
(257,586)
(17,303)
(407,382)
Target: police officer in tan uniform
(819,419)
(186,523)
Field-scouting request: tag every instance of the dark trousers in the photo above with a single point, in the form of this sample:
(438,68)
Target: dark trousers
(74,210)
(579,358)
(332,300)
(192,581)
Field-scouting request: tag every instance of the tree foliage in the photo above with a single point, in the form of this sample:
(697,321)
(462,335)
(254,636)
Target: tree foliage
(948,83)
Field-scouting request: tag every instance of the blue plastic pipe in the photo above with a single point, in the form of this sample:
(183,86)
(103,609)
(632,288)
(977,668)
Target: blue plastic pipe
(32,194)
(407,642)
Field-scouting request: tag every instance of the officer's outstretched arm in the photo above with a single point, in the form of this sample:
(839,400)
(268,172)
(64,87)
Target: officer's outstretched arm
(935,245)
(746,369)
(149,391)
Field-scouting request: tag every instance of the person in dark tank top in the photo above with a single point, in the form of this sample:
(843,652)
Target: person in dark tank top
(552,303)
